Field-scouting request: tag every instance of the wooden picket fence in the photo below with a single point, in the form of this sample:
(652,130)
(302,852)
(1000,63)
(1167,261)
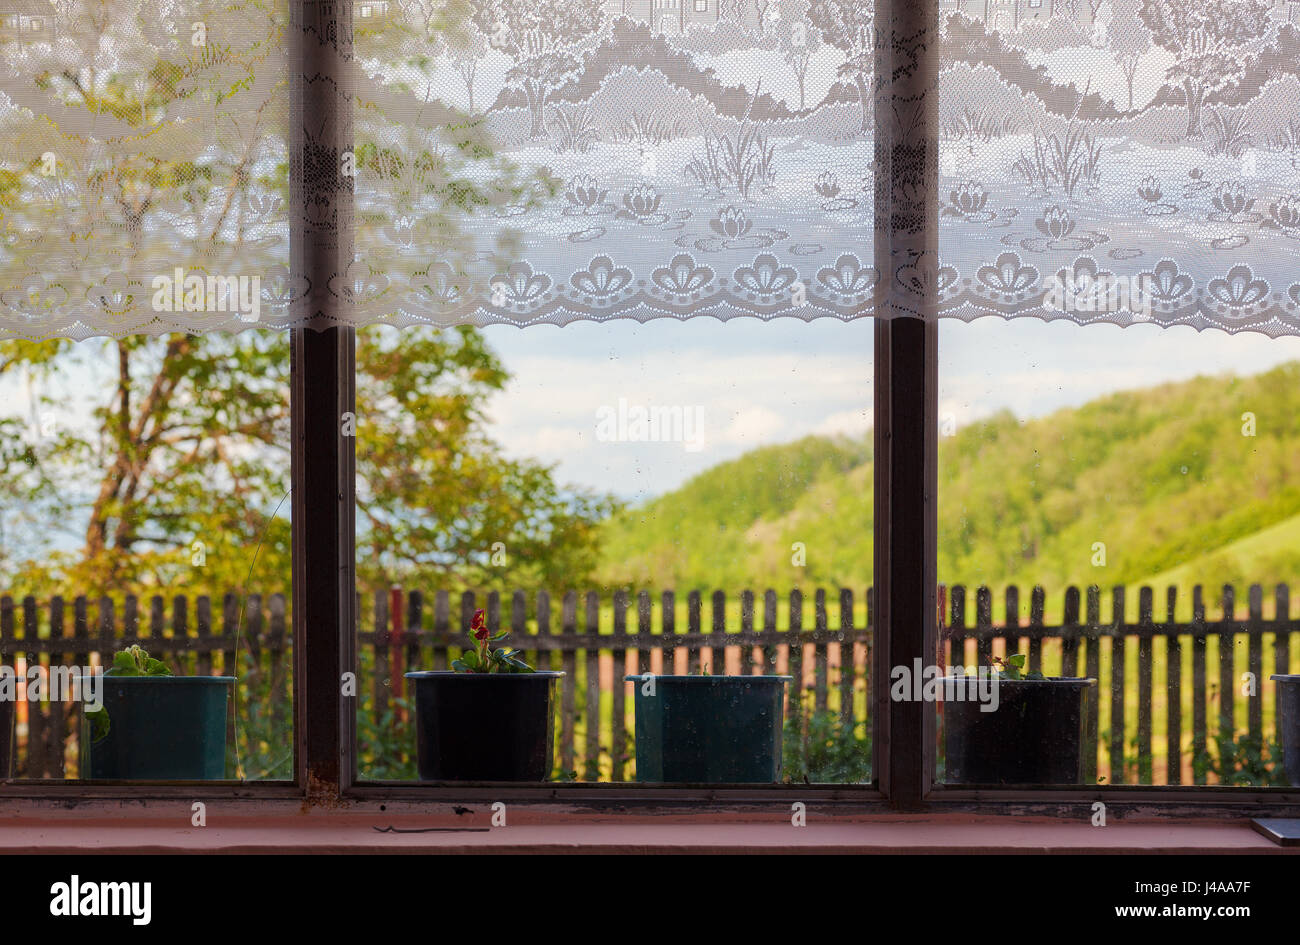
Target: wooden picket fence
(824,640)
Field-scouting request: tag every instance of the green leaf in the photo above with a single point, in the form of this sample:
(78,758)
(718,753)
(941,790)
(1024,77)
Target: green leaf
(99,723)
(1017,660)
(499,635)
(460,666)
(124,664)
(153,667)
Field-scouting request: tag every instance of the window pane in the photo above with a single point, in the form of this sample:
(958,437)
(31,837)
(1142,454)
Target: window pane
(1118,504)
(620,479)
(570,162)
(144,501)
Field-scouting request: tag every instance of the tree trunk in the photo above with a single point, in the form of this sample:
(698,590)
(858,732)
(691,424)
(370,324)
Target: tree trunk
(1195,98)
(537,106)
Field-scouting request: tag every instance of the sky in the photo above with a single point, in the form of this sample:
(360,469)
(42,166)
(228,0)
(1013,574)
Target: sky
(756,383)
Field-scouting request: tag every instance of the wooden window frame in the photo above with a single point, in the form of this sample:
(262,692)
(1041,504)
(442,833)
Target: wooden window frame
(905,541)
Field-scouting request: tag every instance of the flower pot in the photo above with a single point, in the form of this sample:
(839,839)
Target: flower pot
(161,728)
(1288,723)
(1034,736)
(485,726)
(709,729)
(7,713)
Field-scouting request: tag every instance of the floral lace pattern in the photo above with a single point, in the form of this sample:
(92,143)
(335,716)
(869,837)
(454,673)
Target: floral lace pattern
(142,182)
(543,161)
(1133,161)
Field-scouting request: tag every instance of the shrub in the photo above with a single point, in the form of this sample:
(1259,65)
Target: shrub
(818,748)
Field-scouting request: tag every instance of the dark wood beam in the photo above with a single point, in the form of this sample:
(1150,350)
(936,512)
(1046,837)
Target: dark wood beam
(906,388)
(323,392)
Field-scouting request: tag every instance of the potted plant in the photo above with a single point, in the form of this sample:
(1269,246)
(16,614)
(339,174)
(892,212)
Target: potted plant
(705,729)
(1288,723)
(1012,727)
(152,725)
(490,718)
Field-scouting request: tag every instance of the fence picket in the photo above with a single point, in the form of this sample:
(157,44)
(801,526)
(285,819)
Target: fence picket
(1173,696)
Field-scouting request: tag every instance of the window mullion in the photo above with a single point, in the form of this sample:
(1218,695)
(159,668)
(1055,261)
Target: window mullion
(906,388)
(323,390)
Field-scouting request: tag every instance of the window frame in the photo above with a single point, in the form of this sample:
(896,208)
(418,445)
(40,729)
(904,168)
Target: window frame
(323,388)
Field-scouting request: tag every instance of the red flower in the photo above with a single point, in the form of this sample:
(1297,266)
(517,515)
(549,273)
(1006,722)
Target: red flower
(478,625)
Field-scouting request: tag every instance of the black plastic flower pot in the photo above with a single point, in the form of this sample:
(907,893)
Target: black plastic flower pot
(485,726)
(161,728)
(1288,723)
(1035,735)
(709,729)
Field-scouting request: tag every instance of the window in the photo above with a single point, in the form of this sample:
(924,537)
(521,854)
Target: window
(456,204)
(701,6)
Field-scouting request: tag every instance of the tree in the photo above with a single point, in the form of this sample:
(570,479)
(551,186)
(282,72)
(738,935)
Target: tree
(799,40)
(465,57)
(180,478)
(1129,39)
(846,25)
(541,36)
(1208,41)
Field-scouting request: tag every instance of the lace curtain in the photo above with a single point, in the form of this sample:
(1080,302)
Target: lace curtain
(143,182)
(542,161)
(1121,161)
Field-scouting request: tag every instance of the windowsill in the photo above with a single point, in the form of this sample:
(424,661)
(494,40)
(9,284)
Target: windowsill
(277,831)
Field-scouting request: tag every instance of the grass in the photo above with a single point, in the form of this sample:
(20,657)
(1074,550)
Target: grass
(572,130)
(649,131)
(1061,164)
(978,126)
(1228,135)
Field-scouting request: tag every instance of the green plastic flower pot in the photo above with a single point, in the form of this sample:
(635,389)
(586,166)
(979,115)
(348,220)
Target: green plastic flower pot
(161,728)
(709,729)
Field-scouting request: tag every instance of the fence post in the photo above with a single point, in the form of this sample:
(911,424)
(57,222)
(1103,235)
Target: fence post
(618,689)
(718,633)
(693,631)
(395,662)
(1118,656)
(441,628)
(1281,644)
(848,662)
(1198,683)
(569,664)
(794,648)
(1146,625)
(821,658)
(1227,670)
(383,678)
(1255,663)
(591,666)
(1173,693)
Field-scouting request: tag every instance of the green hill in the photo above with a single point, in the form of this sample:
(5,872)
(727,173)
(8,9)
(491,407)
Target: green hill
(1163,477)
